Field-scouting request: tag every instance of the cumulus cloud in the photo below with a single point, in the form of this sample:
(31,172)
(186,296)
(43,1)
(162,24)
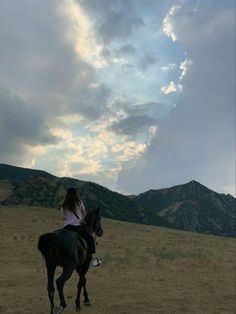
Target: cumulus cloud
(171,88)
(168,27)
(184,66)
(81,32)
(168,67)
(176,87)
(129,151)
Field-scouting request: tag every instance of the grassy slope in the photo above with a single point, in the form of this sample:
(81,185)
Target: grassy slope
(5,190)
(145,269)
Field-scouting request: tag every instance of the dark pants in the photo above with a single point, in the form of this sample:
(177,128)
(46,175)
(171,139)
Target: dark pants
(85,234)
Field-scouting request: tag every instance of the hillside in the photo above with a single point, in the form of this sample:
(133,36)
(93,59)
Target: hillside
(46,191)
(190,206)
(193,207)
(19,174)
(145,269)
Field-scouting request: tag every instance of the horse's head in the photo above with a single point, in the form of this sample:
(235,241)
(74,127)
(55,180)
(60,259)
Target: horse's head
(93,221)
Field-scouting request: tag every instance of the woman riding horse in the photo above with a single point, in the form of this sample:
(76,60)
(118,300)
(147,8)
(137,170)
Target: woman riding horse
(66,249)
(73,212)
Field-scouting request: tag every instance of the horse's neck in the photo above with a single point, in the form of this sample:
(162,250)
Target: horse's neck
(88,221)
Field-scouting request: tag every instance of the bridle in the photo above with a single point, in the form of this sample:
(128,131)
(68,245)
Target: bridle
(83,223)
(91,230)
(94,228)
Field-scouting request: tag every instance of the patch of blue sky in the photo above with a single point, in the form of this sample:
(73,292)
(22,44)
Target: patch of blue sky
(138,86)
(137,77)
(154,11)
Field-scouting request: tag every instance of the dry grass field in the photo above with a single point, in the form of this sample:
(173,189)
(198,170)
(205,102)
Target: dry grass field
(5,190)
(145,269)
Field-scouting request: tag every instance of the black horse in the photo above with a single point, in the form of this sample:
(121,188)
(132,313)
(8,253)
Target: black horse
(66,249)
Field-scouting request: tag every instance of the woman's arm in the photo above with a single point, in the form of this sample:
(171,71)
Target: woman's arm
(63,214)
(83,210)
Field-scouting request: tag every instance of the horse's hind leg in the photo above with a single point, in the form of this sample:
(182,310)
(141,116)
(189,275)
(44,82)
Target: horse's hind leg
(79,287)
(82,284)
(50,287)
(86,298)
(67,272)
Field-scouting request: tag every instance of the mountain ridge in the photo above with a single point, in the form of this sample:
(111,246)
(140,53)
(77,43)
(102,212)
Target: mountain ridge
(193,207)
(46,191)
(9,172)
(190,206)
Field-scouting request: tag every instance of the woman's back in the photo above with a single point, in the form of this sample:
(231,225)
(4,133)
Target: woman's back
(74,217)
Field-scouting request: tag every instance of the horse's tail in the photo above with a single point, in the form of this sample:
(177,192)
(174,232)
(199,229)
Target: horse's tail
(45,243)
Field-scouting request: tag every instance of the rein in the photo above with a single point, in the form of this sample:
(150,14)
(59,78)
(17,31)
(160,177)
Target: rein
(83,222)
(85,225)
(88,228)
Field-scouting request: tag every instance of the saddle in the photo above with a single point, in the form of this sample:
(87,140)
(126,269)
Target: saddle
(79,235)
(82,241)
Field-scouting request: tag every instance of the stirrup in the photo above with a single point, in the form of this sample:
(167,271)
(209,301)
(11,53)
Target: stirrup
(95,262)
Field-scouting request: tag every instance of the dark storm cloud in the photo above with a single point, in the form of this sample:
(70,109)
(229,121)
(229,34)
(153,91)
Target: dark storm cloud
(138,117)
(123,52)
(147,61)
(126,50)
(21,124)
(39,59)
(154,110)
(113,20)
(91,102)
(35,53)
(133,125)
(118,26)
(41,75)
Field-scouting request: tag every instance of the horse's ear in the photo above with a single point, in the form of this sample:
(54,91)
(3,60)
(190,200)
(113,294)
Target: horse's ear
(98,210)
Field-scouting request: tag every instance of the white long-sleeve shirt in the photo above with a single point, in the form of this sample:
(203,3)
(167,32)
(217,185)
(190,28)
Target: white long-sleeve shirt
(70,218)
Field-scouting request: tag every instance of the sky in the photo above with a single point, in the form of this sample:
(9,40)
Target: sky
(132,95)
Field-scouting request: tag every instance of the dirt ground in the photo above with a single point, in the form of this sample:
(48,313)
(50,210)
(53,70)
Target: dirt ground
(144,269)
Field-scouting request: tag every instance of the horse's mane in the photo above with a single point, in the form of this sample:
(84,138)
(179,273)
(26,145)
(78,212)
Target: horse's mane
(92,216)
(89,214)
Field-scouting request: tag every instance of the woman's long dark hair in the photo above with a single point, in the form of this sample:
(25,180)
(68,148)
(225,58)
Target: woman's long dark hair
(71,199)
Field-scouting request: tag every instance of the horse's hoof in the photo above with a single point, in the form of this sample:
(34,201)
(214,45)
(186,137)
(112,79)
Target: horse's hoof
(58,310)
(78,308)
(87,303)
